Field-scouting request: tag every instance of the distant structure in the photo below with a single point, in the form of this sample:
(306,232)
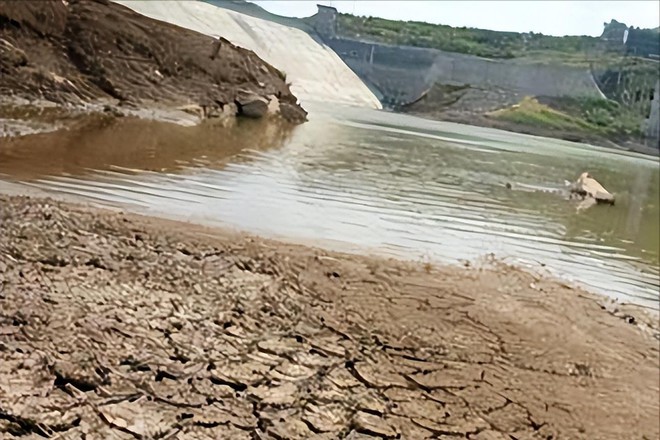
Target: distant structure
(325,21)
(651,126)
(643,43)
(401,75)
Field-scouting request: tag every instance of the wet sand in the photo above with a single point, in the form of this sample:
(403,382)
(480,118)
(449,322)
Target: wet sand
(119,326)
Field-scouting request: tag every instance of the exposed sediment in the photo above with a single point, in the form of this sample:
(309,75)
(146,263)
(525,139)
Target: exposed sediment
(88,51)
(118,326)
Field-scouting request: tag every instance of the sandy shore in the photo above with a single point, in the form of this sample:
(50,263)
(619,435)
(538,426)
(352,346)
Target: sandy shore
(124,327)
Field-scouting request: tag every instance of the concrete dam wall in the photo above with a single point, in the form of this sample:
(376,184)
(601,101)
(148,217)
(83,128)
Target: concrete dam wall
(315,71)
(403,74)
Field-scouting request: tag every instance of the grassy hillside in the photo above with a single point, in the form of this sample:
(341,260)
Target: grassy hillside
(578,50)
(597,117)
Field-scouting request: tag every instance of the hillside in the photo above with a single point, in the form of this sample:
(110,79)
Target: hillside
(485,43)
(590,120)
(640,42)
(625,74)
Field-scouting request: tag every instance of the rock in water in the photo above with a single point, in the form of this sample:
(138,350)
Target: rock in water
(253,107)
(587,186)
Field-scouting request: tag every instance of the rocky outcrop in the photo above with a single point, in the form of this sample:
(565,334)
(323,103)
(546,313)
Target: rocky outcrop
(80,51)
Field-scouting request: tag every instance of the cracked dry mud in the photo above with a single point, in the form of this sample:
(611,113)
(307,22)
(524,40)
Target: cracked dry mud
(115,326)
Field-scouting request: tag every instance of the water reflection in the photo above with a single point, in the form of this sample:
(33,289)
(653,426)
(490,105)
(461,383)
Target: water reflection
(394,184)
(102,143)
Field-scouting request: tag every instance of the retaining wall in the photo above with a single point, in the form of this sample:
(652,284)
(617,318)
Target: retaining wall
(414,70)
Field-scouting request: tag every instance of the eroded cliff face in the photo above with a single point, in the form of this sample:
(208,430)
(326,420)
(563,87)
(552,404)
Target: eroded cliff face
(84,51)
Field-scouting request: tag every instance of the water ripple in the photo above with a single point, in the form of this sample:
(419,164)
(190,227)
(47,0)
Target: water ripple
(418,189)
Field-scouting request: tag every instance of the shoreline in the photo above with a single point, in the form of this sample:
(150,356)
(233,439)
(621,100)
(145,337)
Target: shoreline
(16,188)
(143,326)
(479,120)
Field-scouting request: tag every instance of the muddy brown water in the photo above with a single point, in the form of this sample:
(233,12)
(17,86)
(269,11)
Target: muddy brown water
(372,181)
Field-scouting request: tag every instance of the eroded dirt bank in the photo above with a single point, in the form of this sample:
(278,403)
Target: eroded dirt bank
(78,52)
(118,326)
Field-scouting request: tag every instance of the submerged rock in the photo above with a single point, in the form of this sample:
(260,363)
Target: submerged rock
(586,186)
(252,106)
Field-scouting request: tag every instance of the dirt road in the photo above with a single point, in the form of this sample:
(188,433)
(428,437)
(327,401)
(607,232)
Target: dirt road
(121,327)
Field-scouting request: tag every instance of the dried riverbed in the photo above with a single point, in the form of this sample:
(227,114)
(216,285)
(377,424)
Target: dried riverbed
(118,326)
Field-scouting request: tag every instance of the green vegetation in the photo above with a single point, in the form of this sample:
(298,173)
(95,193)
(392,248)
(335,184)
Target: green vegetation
(572,50)
(480,42)
(623,73)
(587,116)
(530,112)
(608,117)
(624,79)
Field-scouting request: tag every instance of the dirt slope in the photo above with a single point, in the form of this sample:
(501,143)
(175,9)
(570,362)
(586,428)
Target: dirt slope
(120,327)
(85,50)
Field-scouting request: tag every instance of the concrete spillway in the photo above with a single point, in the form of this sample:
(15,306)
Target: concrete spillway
(316,72)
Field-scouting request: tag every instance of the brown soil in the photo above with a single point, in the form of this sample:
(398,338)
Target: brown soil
(83,51)
(117,326)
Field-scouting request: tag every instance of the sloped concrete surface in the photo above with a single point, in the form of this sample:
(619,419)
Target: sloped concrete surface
(316,73)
